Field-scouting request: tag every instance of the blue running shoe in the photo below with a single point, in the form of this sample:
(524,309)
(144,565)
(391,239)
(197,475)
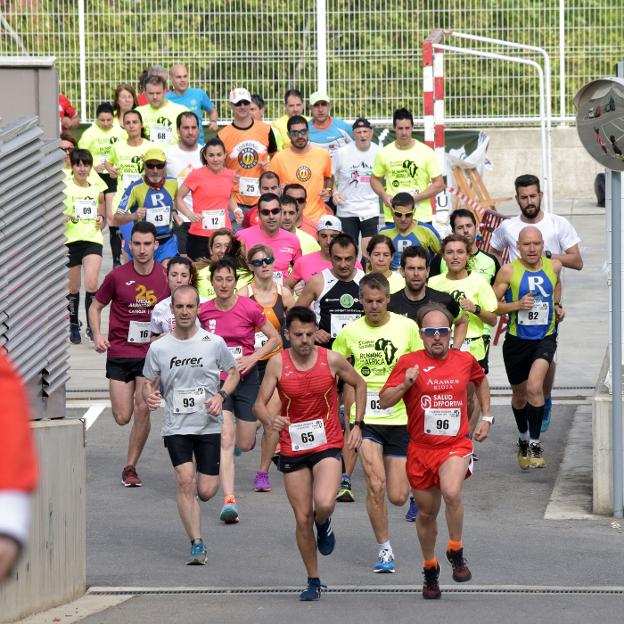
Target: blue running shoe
(410,516)
(547,414)
(325,538)
(199,554)
(385,562)
(313,590)
(229,513)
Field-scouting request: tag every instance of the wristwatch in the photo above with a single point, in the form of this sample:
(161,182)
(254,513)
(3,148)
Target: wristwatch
(223,394)
(548,254)
(358,423)
(489,419)
(477,310)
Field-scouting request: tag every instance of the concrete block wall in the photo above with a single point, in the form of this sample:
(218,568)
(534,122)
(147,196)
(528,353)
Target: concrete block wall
(53,568)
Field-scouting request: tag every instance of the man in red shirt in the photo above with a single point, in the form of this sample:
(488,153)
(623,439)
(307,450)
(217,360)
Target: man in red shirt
(433,384)
(132,289)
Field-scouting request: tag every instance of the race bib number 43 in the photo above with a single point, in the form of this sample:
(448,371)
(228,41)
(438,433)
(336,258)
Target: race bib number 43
(307,435)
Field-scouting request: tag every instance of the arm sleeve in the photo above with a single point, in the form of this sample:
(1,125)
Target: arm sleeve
(341,345)
(151,370)
(128,201)
(206,103)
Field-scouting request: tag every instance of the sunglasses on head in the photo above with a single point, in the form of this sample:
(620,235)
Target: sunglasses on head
(242,103)
(154,165)
(270,211)
(400,215)
(298,132)
(260,261)
(432,331)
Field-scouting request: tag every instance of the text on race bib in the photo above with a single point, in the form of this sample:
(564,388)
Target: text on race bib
(307,435)
(442,421)
(158,216)
(537,315)
(338,321)
(237,352)
(260,340)
(138,333)
(249,187)
(85,209)
(213,219)
(160,134)
(128,178)
(188,400)
(278,277)
(373,408)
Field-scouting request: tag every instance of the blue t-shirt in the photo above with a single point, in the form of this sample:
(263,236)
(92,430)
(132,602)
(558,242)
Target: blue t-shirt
(337,134)
(195,100)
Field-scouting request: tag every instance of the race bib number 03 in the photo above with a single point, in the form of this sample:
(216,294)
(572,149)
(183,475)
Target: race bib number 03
(158,216)
(138,333)
(338,321)
(372,405)
(249,187)
(213,219)
(160,134)
(188,400)
(442,421)
(307,435)
(537,315)
(85,209)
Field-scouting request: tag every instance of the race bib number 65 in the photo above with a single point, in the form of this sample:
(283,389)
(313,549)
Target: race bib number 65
(307,435)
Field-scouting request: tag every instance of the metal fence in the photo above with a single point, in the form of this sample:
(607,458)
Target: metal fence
(368,52)
(33,286)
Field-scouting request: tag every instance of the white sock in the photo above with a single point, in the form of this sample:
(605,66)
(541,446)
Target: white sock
(534,441)
(524,436)
(385,546)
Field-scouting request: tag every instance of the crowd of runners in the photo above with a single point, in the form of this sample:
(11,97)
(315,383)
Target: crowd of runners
(286,283)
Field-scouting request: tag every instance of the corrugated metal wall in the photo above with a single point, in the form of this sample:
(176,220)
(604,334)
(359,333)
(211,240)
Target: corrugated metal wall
(33,276)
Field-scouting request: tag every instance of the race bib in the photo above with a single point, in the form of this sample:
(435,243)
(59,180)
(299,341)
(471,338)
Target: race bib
(338,321)
(160,134)
(188,400)
(307,435)
(85,208)
(372,405)
(128,178)
(139,332)
(465,346)
(158,216)
(213,219)
(249,187)
(278,277)
(237,352)
(537,315)
(442,421)
(260,340)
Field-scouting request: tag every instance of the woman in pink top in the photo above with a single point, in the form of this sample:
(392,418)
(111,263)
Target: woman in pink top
(213,199)
(236,320)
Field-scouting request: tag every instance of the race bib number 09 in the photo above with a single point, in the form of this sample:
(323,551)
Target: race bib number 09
(85,209)
(442,422)
(307,435)
(188,400)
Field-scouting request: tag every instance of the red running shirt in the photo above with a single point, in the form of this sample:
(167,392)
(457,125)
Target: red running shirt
(306,396)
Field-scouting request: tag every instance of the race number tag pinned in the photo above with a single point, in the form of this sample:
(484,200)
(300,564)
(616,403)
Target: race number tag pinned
(85,209)
(249,187)
(338,321)
(442,421)
(307,435)
(188,400)
(373,408)
(158,216)
(278,277)
(213,219)
(237,352)
(260,340)
(138,332)
(537,315)
(160,134)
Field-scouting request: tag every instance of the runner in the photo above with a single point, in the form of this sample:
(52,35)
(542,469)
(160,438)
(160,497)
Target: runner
(275,299)
(186,364)
(236,319)
(433,382)
(124,100)
(132,290)
(293,105)
(375,342)
(380,251)
(310,434)
(532,289)
(268,182)
(329,133)
(288,222)
(84,220)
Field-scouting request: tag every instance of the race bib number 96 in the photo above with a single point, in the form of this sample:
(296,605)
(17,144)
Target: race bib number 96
(442,421)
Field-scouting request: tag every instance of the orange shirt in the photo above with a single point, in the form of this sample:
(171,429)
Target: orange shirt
(309,168)
(245,152)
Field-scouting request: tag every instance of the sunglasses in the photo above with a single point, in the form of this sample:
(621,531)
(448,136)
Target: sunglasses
(152,165)
(433,331)
(265,212)
(298,132)
(242,103)
(67,150)
(403,215)
(299,200)
(260,261)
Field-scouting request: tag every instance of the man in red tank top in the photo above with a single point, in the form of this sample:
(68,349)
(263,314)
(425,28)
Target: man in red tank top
(310,434)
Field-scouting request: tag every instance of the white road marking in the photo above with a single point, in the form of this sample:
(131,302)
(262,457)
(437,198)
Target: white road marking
(95,409)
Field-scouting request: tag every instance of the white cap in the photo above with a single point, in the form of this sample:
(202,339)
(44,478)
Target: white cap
(239,94)
(329,222)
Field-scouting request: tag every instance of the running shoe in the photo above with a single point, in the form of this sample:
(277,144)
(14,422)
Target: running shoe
(325,538)
(461,572)
(229,513)
(412,512)
(313,590)
(431,587)
(237,452)
(547,415)
(74,333)
(199,554)
(345,495)
(536,455)
(262,483)
(475,457)
(385,562)
(89,334)
(129,477)
(523,454)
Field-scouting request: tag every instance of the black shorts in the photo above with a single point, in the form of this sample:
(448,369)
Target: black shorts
(519,355)
(181,232)
(485,362)
(289,463)
(206,448)
(354,227)
(111,183)
(393,438)
(197,247)
(261,368)
(242,399)
(124,369)
(78,250)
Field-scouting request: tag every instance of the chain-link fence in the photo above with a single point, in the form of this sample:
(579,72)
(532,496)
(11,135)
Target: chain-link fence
(369,50)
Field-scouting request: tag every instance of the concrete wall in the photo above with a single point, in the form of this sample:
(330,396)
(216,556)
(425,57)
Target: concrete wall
(602,444)
(53,568)
(515,151)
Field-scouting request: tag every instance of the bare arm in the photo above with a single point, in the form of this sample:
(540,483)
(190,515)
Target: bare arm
(245,363)
(151,393)
(267,388)
(389,397)
(503,278)
(214,404)
(483,395)
(95,321)
(436,186)
(460,329)
(571,258)
(310,292)
(181,206)
(378,188)
(287,298)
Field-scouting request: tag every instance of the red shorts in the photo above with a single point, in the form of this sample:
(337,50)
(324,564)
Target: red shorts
(423,463)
